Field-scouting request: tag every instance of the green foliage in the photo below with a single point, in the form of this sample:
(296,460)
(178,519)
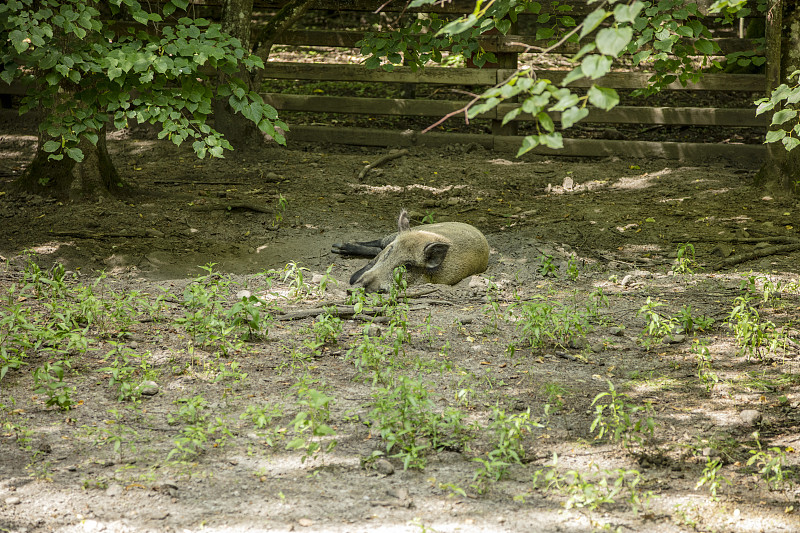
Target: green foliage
(125,371)
(685,262)
(705,371)
(49,380)
(784,100)
(310,423)
(754,336)
(657,326)
(772,465)
(621,421)
(82,68)
(711,477)
(542,320)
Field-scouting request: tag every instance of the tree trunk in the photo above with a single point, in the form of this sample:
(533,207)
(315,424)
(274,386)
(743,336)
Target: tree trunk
(780,174)
(236,20)
(67,179)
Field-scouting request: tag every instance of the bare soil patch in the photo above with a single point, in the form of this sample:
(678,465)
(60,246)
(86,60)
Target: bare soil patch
(452,369)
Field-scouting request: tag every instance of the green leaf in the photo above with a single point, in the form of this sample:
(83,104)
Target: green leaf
(572,115)
(783,115)
(595,66)
(704,46)
(604,98)
(546,121)
(627,13)
(75,154)
(51,146)
(552,140)
(775,135)
(592,21)
(790,143)
(528,143)
(611,41)
(566,101)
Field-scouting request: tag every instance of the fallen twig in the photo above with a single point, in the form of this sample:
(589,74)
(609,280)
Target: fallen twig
(755,254)
(394,154)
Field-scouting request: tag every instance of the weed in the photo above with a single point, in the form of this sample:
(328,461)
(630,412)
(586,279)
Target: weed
(572,268)
(753,336)
(656,325)
(295,276)
(711,477)
(507,435)
(114,432)
(685,262)
(125,371)
(555,394)
(541,321)
(327,327)
(492,306)
(310,423)
(621,421)
(546,266)
(704,370)
(205,318)
(771,463)
(49,380)
(428,218)
(280,210)
(253,314)
(690,324)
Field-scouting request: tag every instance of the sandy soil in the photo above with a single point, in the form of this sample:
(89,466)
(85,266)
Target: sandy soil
(460,356)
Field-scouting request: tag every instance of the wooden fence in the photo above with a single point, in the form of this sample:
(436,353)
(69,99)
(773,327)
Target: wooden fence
(499,139)
(507,48)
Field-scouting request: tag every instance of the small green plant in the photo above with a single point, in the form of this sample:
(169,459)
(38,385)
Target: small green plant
(206,318)
(280,210)
(114,432)
(251,316)
(508,431)
(621,421)
(428,218)
(126,371)
(690,324)
(711,477)
(572,268)
(328,327)
(49,380)
(705,371)
(656,325)
(754,336)
(555,394)
(492,307)
(542,321)
(295,276)
(771,464)
(310,424)
(546,266)
(685,262)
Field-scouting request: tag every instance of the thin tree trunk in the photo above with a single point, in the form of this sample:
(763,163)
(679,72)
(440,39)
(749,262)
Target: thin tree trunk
(780,174)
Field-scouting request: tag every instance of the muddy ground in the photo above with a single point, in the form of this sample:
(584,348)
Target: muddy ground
(606,224)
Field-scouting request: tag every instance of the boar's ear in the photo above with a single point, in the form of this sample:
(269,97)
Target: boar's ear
(402,222)
(434,253)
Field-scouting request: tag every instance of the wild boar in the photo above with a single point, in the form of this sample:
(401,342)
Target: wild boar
(444,253)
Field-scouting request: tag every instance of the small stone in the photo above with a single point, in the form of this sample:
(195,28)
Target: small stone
(244,293)
(152,232)
(148,388)
(710,452)
(384,467)
(616,331)
(477,282)
(626,280)
(722,250)
(578,343)
(114,490)
(13,500)
(751,417)
(374,331)
(305,522)
(467,319)
(675,339)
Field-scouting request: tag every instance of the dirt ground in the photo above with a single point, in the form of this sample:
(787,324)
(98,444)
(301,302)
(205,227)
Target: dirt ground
(608,224)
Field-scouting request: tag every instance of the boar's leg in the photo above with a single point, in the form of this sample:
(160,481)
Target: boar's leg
(362,249)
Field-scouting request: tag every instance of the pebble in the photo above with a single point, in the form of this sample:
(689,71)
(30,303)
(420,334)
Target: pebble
(616,331)
(244,293)
(316,279)
(13,500)
(305,522)
(751,417)
(148,388)
(114,490)
(675,339)
(384,467)
(374,331)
